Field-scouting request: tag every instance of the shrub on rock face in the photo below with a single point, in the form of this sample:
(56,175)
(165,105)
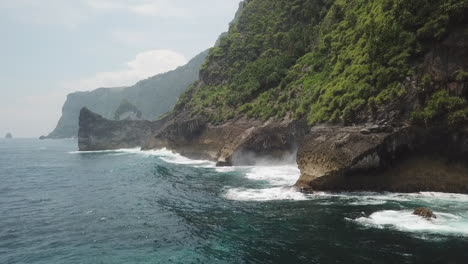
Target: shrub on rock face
(443,110)
(425,213)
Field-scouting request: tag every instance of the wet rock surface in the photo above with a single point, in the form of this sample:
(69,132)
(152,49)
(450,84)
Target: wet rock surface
(410,159)
(238,142)
(425,213)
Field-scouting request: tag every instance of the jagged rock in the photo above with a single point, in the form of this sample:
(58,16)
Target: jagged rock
(425,213)
(373,129)
(98,133)
(408,160)
(237,142)
(153,97)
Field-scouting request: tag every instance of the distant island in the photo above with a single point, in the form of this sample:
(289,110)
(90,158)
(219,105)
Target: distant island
(8,136)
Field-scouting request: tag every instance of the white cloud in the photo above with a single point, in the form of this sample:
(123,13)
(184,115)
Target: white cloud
(145,64)
(159,8)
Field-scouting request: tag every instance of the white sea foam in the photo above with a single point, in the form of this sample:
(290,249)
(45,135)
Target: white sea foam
(131,150)
(434,198)
(405,221)
(454,197)
(267,194)
(175,158)
(164,154)
(278,180)
(275,175)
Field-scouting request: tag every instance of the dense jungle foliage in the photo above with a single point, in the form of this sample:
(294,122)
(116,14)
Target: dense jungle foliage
(324,60)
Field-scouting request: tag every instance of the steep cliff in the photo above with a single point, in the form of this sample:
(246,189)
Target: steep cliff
(98,133)
(372,95)
(338,81)
(153,96)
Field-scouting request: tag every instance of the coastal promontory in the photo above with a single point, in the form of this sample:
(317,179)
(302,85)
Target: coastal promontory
(364,95)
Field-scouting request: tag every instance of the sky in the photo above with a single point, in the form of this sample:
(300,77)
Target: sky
(50,48)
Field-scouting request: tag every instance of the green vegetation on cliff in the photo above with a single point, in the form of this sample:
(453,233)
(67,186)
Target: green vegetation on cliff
(324,60)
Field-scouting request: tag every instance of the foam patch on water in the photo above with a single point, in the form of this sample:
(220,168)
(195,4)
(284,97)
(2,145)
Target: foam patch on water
(374,198)
(275,175)
(267,194)
(278,184)
(454,197)
(165,155)
(131,150)
(405,221)
(175,158)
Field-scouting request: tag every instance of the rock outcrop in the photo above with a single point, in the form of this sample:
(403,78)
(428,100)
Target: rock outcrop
(367,104)
(98,133)
(127,111)
(409,159)
(238,142)
(153,97)
(8,136)
(425,213)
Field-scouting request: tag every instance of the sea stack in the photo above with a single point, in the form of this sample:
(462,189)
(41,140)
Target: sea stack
(8,136)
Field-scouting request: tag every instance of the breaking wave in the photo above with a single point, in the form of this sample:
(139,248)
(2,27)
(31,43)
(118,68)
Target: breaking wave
(404,220)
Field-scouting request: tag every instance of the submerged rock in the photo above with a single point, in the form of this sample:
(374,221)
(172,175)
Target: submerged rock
(425,213)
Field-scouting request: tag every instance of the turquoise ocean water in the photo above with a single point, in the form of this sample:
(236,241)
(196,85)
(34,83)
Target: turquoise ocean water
(129,206)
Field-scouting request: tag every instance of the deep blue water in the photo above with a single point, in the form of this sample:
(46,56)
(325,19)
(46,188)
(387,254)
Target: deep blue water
(60,206)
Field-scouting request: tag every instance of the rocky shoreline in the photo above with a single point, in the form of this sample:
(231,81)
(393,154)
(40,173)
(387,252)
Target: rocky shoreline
(330,157)
(378,148)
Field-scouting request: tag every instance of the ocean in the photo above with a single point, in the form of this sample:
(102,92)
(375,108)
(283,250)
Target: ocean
(58,205)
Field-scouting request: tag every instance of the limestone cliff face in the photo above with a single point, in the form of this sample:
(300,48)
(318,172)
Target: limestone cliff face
(382,150)
(365,107)
(234,143)
(153,96)
(388,152)
(405,159)
(98,133)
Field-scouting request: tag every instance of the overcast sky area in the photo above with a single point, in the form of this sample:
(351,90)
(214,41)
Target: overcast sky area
(50,48)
